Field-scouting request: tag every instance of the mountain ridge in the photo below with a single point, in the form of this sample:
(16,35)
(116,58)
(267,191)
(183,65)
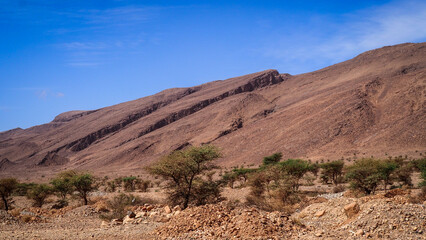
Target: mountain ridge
(344,110)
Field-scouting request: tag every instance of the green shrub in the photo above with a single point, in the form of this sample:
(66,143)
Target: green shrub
(364,175)
(273,159)
(420,164)
(129,183)
(22,189)
(118,205)
(243,173)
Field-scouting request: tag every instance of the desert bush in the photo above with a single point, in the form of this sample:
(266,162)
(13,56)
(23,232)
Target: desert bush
(207,192)
(420,165)
(83,184)
(38,194)
(332,171)
(22,189)
(242,173)
(111,186)
(229,179)
(119,205)
(339,188)
(271,188)
(129,183)
(182,168)
(7,186)
(143,185)
(61,203)
(273,159)
(364,175)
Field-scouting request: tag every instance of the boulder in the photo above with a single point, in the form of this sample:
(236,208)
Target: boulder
(351,209)
(167,209)
(131,214)
(319,213)
(141,214)
(127,220)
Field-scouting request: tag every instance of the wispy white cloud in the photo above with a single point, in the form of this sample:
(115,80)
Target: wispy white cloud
(83,64)
(42,94)
(83,45)
(394,23)
(60,94)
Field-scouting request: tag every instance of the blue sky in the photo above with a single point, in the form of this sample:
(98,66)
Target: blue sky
(57,56)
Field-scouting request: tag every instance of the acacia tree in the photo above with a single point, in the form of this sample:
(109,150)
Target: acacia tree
(83,184)
(62,184)
(295,169)
(364,175)
(182,169)
(332,170)
(7,186)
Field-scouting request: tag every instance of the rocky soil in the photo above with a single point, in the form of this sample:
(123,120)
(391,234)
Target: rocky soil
(339,216)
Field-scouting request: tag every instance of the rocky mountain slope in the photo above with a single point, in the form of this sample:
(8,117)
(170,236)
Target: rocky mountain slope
(373,104)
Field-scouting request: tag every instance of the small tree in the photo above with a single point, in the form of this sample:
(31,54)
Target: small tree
(332,171)
(386,169)
(364,175)
(273,159)
(182,169)
(38,194)
(62,184)
(83,184)
(7,186)
(296,169)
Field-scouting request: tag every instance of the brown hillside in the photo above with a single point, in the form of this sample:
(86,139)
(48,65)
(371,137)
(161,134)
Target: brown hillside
(373,104)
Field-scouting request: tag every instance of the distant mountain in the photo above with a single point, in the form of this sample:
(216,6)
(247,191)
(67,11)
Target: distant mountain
(373,104)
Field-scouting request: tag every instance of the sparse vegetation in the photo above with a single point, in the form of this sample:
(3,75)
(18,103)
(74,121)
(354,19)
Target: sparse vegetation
(129,183)
(119,204)
(39,193)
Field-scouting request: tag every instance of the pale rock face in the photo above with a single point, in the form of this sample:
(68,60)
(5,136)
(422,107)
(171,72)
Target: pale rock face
(167,209)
